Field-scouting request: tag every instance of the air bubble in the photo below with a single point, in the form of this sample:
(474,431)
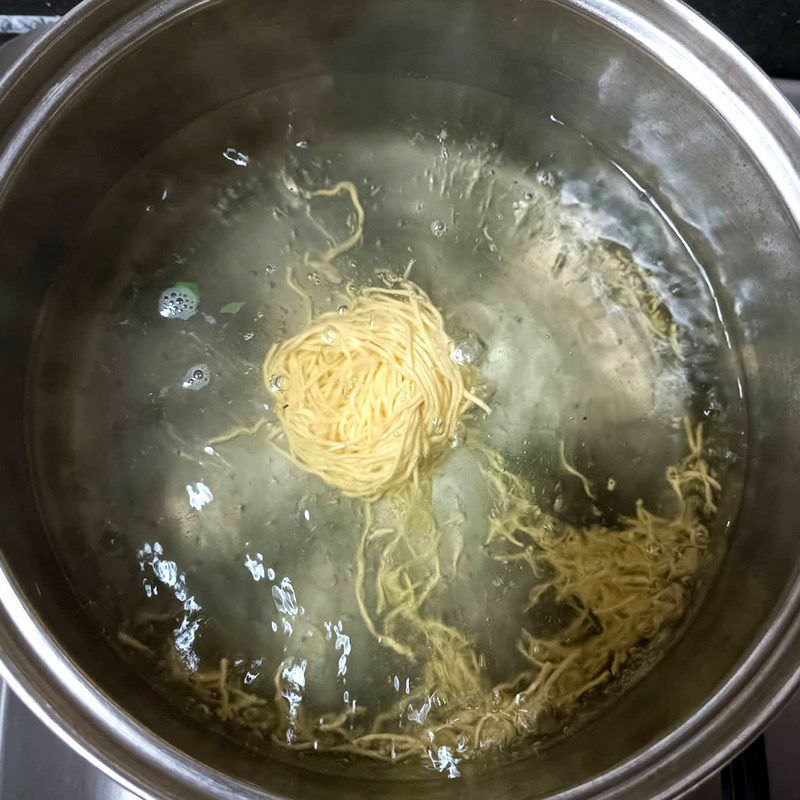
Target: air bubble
(278,383)
(343,309)
(459,437)
(196,377)
(329,334)
(177,303)
(468,350)
(438,228)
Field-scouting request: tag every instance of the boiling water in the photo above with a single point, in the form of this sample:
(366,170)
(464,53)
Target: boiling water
(553,269)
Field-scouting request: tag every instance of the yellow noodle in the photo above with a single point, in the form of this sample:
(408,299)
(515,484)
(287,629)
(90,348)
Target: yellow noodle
(325,262)
(347,244)
(369,399)
(567,467)
(239,430)
(301,293)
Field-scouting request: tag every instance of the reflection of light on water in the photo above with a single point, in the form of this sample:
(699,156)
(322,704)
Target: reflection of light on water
(308,509)
(237,157)
(293,674)
(166,573)
(421,714)
(184,642)
(254,671)
(256,566)
(398,685)
(199,495)
(285,598)
(283,593)
(444,760)
(342,643)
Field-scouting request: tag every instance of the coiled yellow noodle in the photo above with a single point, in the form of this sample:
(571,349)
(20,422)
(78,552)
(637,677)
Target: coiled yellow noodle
(369,399)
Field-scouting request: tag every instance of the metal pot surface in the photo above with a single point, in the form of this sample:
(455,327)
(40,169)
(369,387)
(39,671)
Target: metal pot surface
(667,97)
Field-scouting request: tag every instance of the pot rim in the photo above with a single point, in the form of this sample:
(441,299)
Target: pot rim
(67,701)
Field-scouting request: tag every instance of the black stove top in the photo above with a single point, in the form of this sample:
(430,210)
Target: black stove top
(36,765)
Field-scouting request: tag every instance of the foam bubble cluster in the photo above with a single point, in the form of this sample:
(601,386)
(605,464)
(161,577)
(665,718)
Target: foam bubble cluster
(178,302)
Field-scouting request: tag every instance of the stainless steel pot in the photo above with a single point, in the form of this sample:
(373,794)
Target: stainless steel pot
(665,94)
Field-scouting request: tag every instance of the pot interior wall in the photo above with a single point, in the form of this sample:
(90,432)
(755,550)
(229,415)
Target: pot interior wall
(539,54)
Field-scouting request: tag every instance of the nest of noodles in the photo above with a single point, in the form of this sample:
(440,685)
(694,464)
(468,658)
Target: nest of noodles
(369,400)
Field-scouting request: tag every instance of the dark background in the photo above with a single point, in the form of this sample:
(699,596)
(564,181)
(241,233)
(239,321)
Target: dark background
(769,30)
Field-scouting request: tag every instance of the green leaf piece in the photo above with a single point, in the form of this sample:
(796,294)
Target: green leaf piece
(189,286)
(232,308)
